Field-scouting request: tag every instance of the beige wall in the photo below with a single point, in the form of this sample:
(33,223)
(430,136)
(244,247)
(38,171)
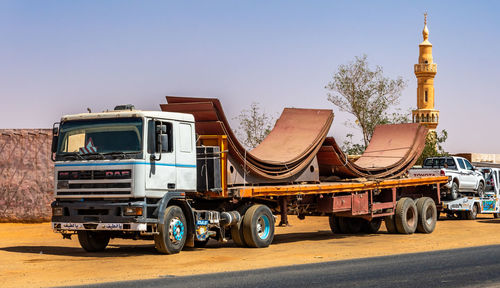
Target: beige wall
(481,157)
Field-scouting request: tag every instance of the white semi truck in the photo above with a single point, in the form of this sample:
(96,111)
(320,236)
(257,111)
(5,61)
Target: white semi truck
(148,175)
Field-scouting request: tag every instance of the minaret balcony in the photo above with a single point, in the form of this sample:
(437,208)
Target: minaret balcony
(422,68)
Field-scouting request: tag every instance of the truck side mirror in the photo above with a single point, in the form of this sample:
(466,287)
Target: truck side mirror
(55,140)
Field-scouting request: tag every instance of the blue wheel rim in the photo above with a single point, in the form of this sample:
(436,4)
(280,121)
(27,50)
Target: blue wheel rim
(263,227)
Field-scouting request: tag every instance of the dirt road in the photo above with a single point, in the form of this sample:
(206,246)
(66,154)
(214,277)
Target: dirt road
(32,255)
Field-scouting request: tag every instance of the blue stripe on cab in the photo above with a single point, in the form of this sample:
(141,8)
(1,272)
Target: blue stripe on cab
(125,163)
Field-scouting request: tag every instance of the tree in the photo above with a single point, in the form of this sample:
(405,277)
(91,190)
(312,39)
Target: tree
(433,146)
(254,125)
(366,94)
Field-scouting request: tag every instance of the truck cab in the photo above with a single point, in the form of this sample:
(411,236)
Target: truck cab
(114,170)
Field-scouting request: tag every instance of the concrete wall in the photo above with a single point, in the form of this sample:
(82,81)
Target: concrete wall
(481,157)
(26,175)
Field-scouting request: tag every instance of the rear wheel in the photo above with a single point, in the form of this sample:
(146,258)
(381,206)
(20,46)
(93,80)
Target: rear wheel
(480,189)
(472,214)
(334,223)
(371,227)
(427,215)
(390,224)
(172,232)
(350,225)
(92,241)
(406,216)
(258,226)
(454,191)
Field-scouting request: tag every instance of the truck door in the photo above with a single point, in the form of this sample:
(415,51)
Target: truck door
(186,157)
(161,171)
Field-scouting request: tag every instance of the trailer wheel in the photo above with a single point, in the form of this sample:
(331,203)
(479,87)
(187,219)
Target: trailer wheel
(334,223)
(258,226)
(172,232)
(406,216)
(350,225)
(92,241)
(390,224)
(454,191)
(472,214)
(371,227)
(427,215)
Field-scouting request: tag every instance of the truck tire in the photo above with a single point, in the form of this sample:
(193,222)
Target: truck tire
(334,223)
(406,216)
(237,235)
(172,232)
(350,225)
(371,227)
(390,224)
(472,214)
(454,191)
(427,215)
(480,189)
(258,226)
(92,241)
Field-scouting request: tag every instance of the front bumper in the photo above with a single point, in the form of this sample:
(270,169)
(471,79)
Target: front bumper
(62,226)
(102,215)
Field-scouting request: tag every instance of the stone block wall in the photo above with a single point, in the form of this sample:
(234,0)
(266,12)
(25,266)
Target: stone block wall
(26,175)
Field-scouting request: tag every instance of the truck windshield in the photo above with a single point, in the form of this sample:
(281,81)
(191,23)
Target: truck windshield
(100,139)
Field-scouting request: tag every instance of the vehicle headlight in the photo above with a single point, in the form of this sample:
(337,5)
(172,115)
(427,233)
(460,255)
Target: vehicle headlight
(57,211)
(132,211)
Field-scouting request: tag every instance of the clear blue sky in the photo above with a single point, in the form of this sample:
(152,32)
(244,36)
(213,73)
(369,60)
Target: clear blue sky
(60,57)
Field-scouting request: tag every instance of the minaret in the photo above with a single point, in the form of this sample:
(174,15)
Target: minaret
(425,71)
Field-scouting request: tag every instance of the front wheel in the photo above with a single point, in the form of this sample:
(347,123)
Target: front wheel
(258,226)
(92,241)
(172,232)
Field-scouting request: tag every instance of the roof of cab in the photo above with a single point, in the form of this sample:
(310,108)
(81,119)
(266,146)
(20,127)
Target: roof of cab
(130,113)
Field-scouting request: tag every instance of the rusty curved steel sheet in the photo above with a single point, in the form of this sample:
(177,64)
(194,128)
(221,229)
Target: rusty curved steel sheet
(300,135)
(393,149)
(288,149)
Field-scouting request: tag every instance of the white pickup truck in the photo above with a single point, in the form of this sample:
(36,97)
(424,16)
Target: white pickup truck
(464,178)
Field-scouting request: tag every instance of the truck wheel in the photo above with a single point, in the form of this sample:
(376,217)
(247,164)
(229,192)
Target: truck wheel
(427,215)
(406,216)
(172,232)
(454,191)
(350,225)
(390,224)
(258,226)
(472,214)
(237,235)
(480,189)
(371,227)
(93,241)
(334,223)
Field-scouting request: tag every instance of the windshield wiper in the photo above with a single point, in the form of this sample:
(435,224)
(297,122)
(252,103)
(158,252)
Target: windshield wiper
(73,155)
(121,154)
(95,154)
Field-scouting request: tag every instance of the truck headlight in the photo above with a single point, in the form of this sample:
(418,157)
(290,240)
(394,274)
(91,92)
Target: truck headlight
(132,211)
(57,211)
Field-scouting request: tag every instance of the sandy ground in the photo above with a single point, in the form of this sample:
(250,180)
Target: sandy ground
(32,255)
